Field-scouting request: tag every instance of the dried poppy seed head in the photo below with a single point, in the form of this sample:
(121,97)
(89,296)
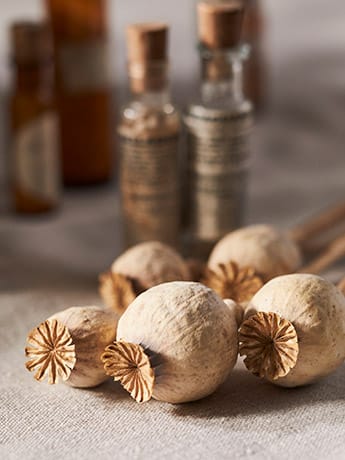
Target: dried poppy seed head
(269,251)
(117,291)
(316,309)
(128,364)
(270,345)
(232,282)
(68,346)
(51,352)
(190,338)
(138,269)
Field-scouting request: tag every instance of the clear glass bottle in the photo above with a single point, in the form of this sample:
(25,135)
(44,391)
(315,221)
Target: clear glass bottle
(218,129)
(149,142)
(35,165)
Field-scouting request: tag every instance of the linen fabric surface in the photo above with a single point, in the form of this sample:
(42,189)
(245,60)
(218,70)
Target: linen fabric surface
(51,263)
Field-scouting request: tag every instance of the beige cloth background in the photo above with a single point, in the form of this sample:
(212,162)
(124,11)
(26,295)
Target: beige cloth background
(52,263)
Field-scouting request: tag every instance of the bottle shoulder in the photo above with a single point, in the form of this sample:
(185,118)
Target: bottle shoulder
(202,110)
(142,121)
(137,110)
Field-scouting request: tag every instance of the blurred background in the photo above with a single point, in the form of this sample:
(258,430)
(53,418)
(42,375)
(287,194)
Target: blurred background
(298,142)
(303,43)
(307,30)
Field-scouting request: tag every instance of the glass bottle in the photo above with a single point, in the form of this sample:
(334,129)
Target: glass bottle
(35,165)
(83,89)
(149,137)
(218,129)
(254,72)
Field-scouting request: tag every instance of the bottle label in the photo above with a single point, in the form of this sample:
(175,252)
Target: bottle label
(84,66)
(218,160)
(150,189)
(36,158)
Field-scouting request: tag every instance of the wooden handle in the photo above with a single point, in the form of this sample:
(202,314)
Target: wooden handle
(318,224)
(334,252)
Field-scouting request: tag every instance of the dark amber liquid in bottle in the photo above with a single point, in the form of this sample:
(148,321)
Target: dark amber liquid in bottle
(32,99)
(83,92)
(34,159)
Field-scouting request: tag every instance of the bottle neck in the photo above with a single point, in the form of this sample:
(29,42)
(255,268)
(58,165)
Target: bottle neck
(222,79)
(149,83)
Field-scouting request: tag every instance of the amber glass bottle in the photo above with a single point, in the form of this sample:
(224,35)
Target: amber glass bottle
(255,67)
(83,90)
(34,160)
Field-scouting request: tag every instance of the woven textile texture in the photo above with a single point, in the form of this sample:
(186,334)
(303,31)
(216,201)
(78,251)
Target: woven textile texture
(52,263)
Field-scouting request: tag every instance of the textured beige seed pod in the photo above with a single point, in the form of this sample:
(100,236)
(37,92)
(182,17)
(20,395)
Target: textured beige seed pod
(176,342)
(341,285)
(267,250)
(236,309)
(68,346)
(295,331)
(139,268)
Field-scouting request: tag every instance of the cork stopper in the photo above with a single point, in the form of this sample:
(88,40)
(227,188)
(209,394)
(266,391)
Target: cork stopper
(220,24)
(147,56)
(147,42)
(31,42)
